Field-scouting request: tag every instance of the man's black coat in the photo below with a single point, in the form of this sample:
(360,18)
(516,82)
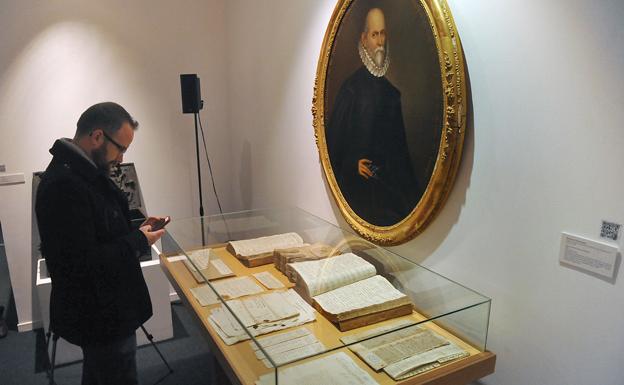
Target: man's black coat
(98,290)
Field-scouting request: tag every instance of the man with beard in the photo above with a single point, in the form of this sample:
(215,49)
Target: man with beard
(99,296)
(366,135)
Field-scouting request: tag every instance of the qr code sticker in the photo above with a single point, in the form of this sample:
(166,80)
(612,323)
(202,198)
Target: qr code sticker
(610,230)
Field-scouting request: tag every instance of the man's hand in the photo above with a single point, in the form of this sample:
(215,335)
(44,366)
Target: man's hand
(363,168)
(152,236)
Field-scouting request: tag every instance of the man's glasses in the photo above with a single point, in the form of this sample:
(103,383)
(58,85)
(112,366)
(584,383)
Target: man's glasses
(121,148)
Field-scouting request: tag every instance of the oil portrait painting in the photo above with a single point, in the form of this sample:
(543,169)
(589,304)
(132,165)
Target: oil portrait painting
(383,113)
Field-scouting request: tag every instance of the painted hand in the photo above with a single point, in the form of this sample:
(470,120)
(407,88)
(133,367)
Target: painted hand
(364,168)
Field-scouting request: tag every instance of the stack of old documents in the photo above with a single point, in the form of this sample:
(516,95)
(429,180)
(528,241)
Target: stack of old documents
(406,352)
(287,346)
(260,314)
(227,289)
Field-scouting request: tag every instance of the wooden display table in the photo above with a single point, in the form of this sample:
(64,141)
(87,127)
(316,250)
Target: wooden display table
(242,367)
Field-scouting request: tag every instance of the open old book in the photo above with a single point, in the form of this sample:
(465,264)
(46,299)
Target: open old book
(347,291)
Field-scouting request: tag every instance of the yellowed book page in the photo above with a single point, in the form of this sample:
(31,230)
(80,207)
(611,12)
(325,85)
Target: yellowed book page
(327,274)
(359,295)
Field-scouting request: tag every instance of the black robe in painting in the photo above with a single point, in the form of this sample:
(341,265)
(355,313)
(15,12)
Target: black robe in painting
(367,123)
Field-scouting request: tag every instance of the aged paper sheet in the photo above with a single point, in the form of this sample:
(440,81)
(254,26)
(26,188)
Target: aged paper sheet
(237,287)
(334,369)
(269,312)
(424,361)
(205,295)
(280,338)
(352,338)
(294,354)
(200,258)
(206,261)
(268,280)
(382,351)
(221,267)
(288,346)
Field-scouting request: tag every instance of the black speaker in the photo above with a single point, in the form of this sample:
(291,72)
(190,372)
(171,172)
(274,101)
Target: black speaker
(191,93)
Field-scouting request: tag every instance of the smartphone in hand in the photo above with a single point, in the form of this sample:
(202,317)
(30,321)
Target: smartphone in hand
(157,223)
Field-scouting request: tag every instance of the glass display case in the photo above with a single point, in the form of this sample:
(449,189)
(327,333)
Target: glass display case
(285,297)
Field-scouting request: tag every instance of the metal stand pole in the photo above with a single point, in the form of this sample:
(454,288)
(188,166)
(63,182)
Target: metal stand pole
(201,203)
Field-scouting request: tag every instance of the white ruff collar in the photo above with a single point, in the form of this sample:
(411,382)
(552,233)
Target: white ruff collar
(369,63)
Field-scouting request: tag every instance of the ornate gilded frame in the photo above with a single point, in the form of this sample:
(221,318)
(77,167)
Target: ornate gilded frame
(453,86)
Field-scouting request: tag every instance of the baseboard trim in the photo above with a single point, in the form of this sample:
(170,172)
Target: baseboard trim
(29,325)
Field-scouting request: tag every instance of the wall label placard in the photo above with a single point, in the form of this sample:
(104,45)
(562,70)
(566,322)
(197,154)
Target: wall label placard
(14,178)
(586,254)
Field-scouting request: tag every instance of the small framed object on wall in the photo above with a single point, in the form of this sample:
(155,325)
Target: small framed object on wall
(389,113)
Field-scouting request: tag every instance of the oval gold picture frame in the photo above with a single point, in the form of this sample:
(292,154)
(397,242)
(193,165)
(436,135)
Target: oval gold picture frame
(448,127)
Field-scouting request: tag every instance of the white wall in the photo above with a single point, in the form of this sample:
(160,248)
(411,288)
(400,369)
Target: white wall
(273,50)
(543,155)
(58,58)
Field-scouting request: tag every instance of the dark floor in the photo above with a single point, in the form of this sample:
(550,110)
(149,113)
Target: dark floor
(23,361)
